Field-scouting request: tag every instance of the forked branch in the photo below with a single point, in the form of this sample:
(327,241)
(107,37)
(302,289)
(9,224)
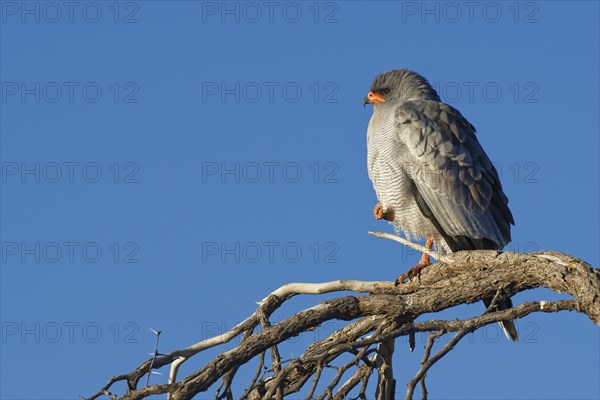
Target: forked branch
(378,312)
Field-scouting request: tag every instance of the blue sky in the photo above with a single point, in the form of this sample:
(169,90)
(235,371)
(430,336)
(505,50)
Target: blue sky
(166,165)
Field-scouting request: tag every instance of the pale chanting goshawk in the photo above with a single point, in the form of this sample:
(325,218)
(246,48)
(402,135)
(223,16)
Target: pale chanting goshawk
(431,176)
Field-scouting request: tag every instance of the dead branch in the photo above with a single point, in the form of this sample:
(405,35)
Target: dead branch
(382,313)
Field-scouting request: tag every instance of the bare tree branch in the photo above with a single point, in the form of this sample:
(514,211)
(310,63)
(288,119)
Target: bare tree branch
(414,246)
(380,314)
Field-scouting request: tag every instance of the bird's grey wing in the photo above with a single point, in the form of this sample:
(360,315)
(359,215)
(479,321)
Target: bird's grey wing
(455,183)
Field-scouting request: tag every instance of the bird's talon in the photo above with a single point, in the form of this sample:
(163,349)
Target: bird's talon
(378,211)
(380,214)
(414,272)
(400,280)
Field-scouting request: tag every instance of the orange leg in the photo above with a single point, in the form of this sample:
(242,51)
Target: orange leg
(379,214)
(416,270)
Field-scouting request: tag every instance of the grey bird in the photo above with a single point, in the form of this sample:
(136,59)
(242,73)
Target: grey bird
(431,176)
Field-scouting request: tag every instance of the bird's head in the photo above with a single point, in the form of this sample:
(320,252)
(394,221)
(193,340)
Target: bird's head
(399,85)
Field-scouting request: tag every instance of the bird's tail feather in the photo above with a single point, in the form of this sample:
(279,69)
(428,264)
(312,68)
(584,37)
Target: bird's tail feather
(508,326)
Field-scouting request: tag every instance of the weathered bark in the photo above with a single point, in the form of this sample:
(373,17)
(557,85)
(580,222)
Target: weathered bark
(463,277)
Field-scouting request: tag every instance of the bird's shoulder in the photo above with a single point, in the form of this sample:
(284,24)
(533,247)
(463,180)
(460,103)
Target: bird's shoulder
(435,115)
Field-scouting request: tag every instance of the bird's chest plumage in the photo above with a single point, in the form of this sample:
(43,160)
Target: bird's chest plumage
(387,158)
(389,161)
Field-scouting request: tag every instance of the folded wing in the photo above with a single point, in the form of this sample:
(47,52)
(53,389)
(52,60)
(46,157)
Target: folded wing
(454,181)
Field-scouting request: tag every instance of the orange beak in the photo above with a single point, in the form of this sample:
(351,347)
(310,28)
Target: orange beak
(373,98)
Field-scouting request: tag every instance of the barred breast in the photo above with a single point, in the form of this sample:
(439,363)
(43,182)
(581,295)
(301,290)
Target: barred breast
(388,161)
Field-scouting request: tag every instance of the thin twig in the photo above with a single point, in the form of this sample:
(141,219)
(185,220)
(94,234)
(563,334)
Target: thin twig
(426,355)
(430,361)
(261,364)
(361,375)
(226,385)
(341,370)
(316,378)
(412,245)
(157,333)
